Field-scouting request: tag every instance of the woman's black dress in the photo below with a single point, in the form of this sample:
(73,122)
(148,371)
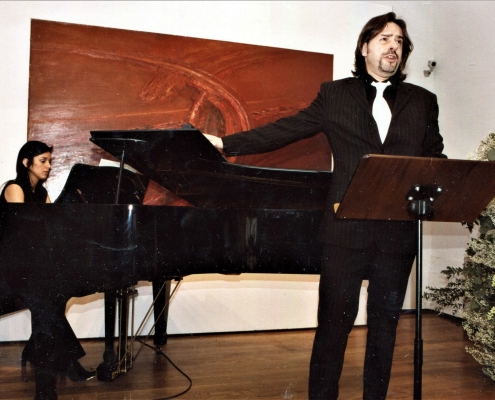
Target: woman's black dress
(53,344)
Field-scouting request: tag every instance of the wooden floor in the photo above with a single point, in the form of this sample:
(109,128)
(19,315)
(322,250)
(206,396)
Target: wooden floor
(266,365)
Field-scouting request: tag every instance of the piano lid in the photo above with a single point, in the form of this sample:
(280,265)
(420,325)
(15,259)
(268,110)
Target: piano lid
(98,185)
(186,163)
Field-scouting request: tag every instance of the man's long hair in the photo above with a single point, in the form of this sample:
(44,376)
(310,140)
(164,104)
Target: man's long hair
(371,29)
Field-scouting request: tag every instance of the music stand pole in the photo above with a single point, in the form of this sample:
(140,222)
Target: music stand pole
(121,169)
(421,200)
(418,339)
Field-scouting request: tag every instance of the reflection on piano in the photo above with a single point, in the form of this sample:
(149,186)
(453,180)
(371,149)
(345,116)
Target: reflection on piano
(85,184)
(244,220)
(98,185)
(184,162)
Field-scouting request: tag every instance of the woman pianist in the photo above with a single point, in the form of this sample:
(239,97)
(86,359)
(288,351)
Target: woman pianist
(53,347)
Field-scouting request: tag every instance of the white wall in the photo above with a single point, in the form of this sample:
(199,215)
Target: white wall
(218,303)
(459,36)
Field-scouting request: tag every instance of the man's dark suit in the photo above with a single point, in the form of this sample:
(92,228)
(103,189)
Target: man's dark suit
(342,112)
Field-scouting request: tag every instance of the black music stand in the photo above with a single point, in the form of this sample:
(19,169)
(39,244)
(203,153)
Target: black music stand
(418,189)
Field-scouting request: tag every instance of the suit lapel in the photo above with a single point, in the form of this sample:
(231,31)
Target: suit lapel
(404,94)
(357,91)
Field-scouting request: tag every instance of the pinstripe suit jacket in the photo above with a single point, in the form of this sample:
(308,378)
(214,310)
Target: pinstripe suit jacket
(342,112)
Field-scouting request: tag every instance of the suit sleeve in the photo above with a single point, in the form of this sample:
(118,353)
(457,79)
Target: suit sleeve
(433,141)
(278,134)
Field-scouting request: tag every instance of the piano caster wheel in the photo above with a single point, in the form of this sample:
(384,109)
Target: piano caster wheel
(160,342)
(106,372)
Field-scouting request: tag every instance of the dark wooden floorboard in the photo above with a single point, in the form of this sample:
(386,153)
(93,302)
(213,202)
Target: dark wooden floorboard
(266,365)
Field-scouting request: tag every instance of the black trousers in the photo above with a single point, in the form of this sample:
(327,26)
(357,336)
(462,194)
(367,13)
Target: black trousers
(342,273)
(53,344)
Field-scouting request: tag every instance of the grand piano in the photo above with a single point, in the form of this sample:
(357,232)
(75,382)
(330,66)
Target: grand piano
(242,219)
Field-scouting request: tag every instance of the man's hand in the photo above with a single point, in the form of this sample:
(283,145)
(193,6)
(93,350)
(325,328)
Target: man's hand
(215,141)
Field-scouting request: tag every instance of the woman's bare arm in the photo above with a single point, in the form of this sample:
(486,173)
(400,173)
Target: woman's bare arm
(14,194)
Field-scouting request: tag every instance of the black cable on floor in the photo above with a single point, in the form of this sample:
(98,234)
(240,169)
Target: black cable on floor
(160,352)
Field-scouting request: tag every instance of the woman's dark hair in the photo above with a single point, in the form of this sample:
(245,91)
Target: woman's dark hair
(371,29)
(30,150)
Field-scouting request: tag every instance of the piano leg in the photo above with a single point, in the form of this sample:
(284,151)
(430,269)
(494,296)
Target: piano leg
(115,364)
(160,311)
(105,370)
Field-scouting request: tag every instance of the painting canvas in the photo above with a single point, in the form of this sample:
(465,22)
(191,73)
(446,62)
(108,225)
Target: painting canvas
(85,78)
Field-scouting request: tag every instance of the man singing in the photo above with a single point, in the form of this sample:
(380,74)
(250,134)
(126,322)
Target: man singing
(374,112)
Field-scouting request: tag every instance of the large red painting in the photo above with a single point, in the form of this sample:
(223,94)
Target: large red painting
(85,78)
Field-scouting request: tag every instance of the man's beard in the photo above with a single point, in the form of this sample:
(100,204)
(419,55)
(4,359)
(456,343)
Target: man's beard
(388,68)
